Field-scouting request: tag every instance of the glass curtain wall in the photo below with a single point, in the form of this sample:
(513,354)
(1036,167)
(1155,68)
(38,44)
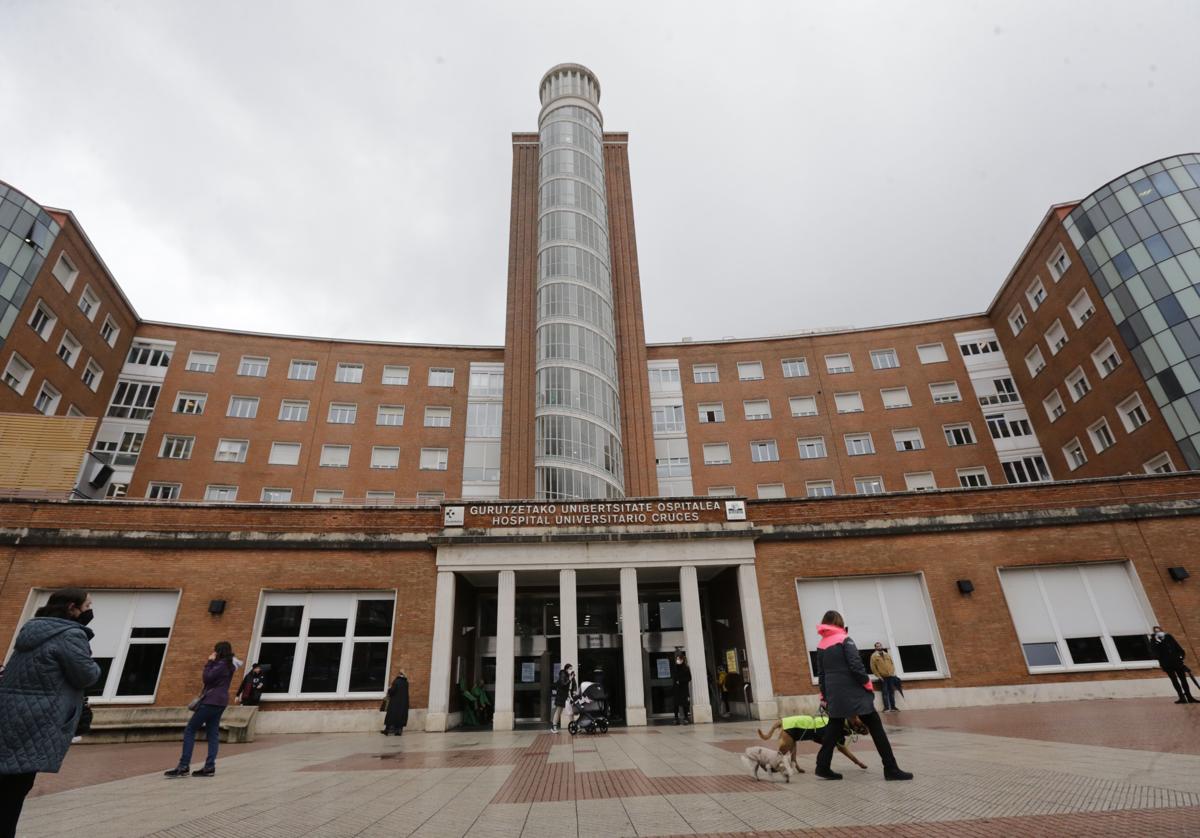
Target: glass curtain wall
(577,451)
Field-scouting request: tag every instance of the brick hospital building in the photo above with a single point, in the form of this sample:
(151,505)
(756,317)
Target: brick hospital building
(1008,500)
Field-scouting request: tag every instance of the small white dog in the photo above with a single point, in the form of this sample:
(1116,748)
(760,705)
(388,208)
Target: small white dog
(757,757)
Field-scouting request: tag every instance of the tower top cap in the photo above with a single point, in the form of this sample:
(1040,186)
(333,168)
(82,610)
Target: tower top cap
(587,85)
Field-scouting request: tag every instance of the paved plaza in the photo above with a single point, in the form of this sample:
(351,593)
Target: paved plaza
(1083,768)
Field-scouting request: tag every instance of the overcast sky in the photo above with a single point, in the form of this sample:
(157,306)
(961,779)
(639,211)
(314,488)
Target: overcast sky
(343,169)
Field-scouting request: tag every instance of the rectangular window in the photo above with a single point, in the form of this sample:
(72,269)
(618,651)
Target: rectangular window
(385,457)
(437,417)
(839,363)
(908,439)
(961,434)
(42,320)
(328,496)
(819,488)
(997,391)
(1106,359)
(109,331)
(192,403)
(242,407)
(68,349)
(133,400)
(146,354)
(1078,617)
(1056,337)
(859,444)
(944,392)
(253,366)
(176,447)
(481,460)
(884,359)
(232,450)
(162,491)
(666,418)
(227,494)
(293,410)
(771,490)
(722,491)
(803,405)
(348,373)
(117,490)
(1159,465)
(1054,405)
(381,498)
(1036,293)
(932,353)
(430,498)
(1003,426)
(716,453)
(1035,362)
(984,346)
(434,459)
(795,367)
(895,398)
(1017,320)
(1101,435)
(132,629)
(441,377)
(1133,413)
(755,410)
(302,370)
(122,453)
(390,414)
(65,271)
(396,376)
(18,373)
(848,402)
(335,456)
(973,478)
(705,373)
(89,303)
(47,399)
(921,481)
(1077,384)
(284,454)
(711,413)
(202,361)
(325,645)
(1058,263)
(663,379)
(484,419)
(92,373)
(750,370)
(868,485)
(276,495)
(1074,454)
(486,382)
(1031,469)
(764,451)
(811,447)
(1081,308)
(342,413)
(892,610)
(671,462)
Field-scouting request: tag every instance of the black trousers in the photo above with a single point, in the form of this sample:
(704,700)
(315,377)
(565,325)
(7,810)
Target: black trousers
(835,730)
(683,703)
(13,790)
(1179,681)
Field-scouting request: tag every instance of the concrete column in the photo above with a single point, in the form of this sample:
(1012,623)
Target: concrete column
(693,637)
(764,705)
(631,647)
(506,616)
(438,714)
(568,620)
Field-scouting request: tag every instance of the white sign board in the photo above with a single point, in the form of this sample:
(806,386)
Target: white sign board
(452,516)
(735,510)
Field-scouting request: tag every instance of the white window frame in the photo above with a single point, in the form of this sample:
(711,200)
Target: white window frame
(52,396)
(176,447)
(1101,435)
(840,399)
(756,410)
(242,404)
(1074,454)
(1075,377)
(342,413)
(96,371)
(290,405)
(89,303)
(329,461)
(897,404)
(967,477)
(750,371)
(770,490)
(811,448)
(1036,293)
(109,330)
(701,374)
(887,355)
(711,413)
(835,366)
(19,383)
(394,375)
(793,401)
(213,492)
(1056,337)
(46,322)
(1054,405)
(794,367)
(394,410)
(307,369)
(198,361)
(1129,408)
(183,399)
(1035,362)
(285,453)
(1058,263)
(919,478)
(68,268)
(908,435)
(439,457)
(1017,321)
(869,482)
(1155,464)
(944,399)
(382,456)
(348,372)
(764,446)
(441,376)
(268,495)
(715,447)
(816,489)
(1101,354)
(249,366)
(859,444)
(73,353)
(328,495)
(948,431)
(239,456)
(1082,308)
(928,353)
(155,490)
(437,416)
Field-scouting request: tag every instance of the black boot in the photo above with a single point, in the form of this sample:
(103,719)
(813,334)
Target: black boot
(896,774)
(827,774)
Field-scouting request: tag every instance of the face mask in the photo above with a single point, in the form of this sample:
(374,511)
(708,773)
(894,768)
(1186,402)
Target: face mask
(1158,635)
(85,617)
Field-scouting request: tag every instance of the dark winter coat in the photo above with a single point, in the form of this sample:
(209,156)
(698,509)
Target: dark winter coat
(1168,651)
(682,679)
(41,694)
(251,689)
(397,710)
(563,688)
(842,677)
(218,675)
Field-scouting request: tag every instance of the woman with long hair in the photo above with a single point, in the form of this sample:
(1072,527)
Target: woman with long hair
(41,696)
(211,703)
(846,688)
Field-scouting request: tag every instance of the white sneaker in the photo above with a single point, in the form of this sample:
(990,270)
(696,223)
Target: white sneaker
(554,728)
(75,740)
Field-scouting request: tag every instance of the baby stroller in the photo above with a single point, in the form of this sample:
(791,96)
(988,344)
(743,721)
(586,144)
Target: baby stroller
(589,710)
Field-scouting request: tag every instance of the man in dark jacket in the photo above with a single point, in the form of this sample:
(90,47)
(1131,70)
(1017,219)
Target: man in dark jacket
(682,687)
(396,717)
(1170,657)
(249,692)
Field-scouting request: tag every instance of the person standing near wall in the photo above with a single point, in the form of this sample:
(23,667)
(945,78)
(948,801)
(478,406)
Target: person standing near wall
(884,668)
(1170,657)
(211,704)
(682,686)
(564,688)
(846,689)
(41,697)
(249,692)
(396,717)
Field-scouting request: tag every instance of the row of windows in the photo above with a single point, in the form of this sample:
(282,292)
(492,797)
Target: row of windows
(180,447)
(893,398)
(229,493)
(66,273)
(881,359)
(919,481)
(1133,415)
(18,373)
(256,366)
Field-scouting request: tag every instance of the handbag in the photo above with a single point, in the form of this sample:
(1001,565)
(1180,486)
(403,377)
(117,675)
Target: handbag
(195,702)
(383,705)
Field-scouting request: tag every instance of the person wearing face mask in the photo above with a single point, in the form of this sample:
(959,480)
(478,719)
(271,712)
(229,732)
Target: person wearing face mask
(210,705)
(682,686)
(41,697)
(1170,657)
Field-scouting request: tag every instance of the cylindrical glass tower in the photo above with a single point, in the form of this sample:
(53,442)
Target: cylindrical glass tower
(577,452)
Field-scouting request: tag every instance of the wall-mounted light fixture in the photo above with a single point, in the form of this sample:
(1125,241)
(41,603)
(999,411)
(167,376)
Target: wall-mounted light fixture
(965,586)
(216,606)
(1178,573)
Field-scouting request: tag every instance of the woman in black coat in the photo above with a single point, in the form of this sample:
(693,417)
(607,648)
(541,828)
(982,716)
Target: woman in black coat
(397,708)
(846,688)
